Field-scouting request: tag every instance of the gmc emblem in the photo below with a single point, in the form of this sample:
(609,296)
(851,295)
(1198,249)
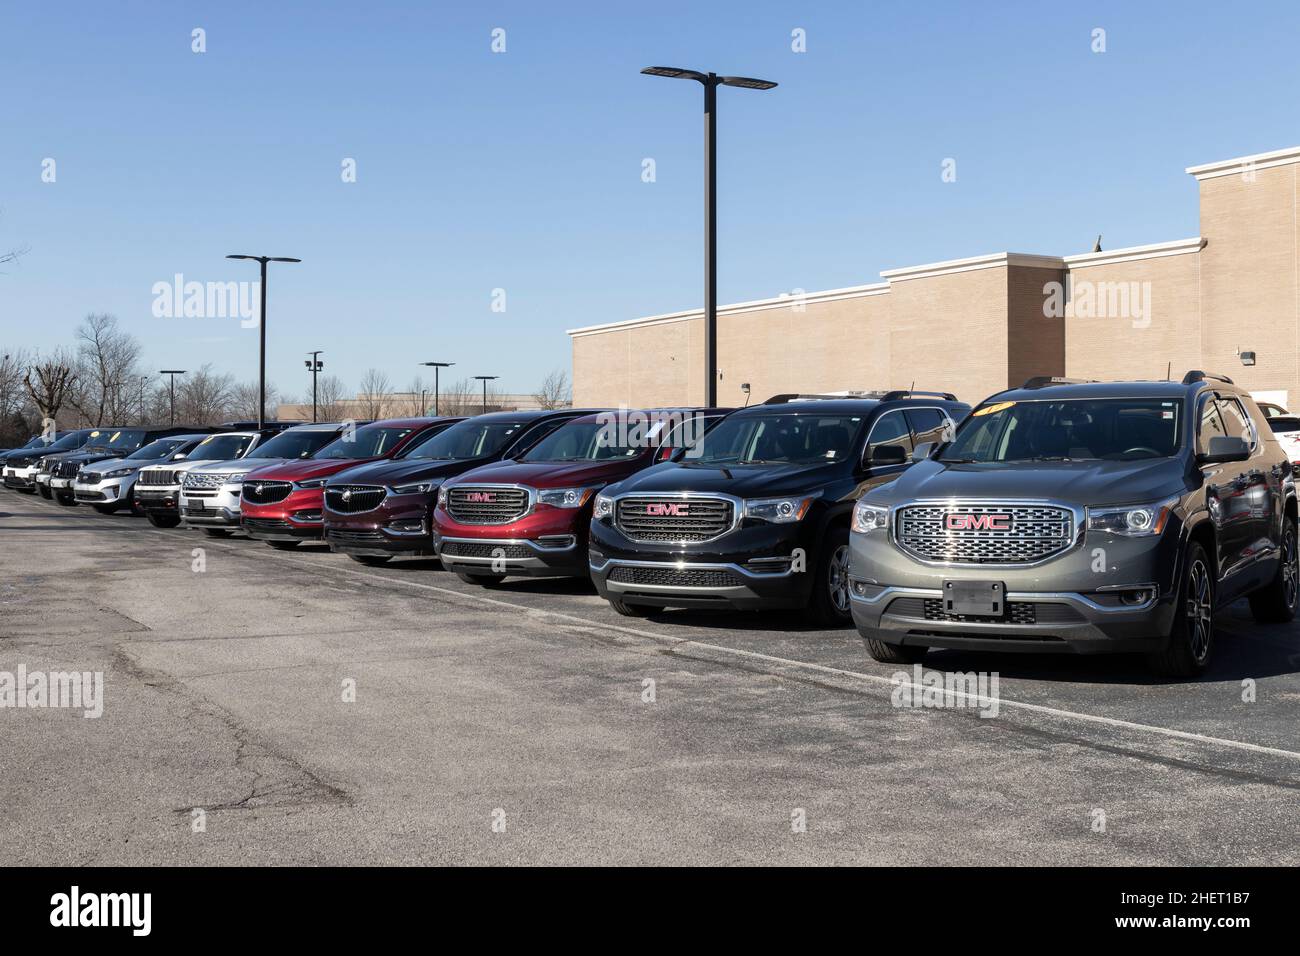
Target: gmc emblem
(481,497)
(666,510)
(965,522)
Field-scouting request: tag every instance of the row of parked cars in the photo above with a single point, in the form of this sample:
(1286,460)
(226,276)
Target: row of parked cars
(1056,517)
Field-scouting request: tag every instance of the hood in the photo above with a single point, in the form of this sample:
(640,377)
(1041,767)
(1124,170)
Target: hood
(743,481)
(1082,483)
(307,468)
(554,474)
(113,464)
(181,466)
(236,465)
(389,471)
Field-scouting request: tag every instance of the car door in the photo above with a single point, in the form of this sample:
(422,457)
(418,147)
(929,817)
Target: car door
(891,428)
(1226,497)
(1262,478)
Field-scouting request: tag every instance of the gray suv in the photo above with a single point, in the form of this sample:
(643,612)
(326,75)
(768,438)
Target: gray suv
(1081,517)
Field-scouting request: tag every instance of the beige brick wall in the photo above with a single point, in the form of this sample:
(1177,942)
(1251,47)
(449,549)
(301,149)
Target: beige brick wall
(1248,278)
(1138,346)
(1036,343)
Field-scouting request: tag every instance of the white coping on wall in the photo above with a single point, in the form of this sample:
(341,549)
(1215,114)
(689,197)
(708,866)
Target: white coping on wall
(1158,250)
(1227,167)
(953,266)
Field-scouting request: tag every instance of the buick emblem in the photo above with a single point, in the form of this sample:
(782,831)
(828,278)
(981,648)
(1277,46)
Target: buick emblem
(347,495)
(257,489)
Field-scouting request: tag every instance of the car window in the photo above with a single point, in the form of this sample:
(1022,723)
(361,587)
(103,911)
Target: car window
(1281,424)
(1236,422)
(928,424)
(890,428)
(1211,425)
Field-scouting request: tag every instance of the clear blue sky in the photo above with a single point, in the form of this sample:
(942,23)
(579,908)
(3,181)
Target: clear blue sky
(522,170)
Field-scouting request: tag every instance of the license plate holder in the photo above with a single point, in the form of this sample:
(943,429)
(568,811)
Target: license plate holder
(974,598)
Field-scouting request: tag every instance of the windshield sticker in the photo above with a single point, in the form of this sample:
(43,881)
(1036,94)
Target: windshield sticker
(115,435)
(991,409)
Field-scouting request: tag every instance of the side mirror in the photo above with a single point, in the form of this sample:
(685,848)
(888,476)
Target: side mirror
(665,453)
(1224,448)
(178,456)
(888,455)
(923,450)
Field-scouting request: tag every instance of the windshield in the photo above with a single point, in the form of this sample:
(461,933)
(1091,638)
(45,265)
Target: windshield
(295,444)
(373,441)
(156,450)
(1112,429)
(586,441)
(776,438)
(221,448)
(467,439)
(1281,424)
(123,440)
(68,441)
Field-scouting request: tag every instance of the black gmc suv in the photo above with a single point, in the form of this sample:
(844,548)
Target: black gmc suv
(757,516)
(1082,517)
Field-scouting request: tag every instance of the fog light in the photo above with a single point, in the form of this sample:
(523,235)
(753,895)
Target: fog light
(407,526)
(1135,597)
(306,516)
(860,588)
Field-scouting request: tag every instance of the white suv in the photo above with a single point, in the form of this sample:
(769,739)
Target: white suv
(157,487)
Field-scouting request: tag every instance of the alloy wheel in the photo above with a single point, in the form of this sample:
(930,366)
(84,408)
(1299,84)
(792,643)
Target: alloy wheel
(838,578)
(1200,610)
(1290,569)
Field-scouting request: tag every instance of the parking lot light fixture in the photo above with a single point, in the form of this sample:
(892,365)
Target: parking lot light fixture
(173,372)
(485,379)
(710,82)
(261,325)
(314,365)
(436,366)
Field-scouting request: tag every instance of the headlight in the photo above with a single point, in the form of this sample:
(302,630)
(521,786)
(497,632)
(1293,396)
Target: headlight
(1135,521)
(418,488)
(869,517)
(311,483)
(565,497)
(234,479)
(777,510)
(603,508)
(120,473)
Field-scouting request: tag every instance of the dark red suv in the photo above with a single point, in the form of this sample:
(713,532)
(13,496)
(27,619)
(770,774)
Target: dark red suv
(530,516)
(282,503)
(377,511)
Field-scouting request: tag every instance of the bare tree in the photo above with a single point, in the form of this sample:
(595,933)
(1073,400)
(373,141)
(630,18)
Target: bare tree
(48,383)
(330,391)
(373,394)
(107,364)
(203,396)
(555,391)
(13,254)
(243,402)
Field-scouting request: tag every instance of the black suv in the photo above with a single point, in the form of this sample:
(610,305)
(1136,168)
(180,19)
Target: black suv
(757,515)
(105,442)
(1082,517)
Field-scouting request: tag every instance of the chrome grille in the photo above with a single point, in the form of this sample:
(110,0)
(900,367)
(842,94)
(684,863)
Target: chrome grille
(65,469)
(205,480)
(486,504)
(266,492)
(648,518)
(161,476)
(1031,533)
(353,499)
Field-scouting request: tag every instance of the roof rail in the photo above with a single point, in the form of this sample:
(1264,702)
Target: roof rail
(1196,375)
(785,397)
(1042,381)
(909,392)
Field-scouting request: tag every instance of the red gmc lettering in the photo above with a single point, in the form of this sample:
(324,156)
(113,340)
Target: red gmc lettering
(960,522)
(663,510)
(485,497)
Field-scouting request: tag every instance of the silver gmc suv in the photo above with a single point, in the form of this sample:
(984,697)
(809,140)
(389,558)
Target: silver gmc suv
(1082,517)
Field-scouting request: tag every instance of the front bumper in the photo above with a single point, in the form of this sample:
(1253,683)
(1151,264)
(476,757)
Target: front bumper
(399,526)
(110,491)
(157,499)
(59,484)
(210,508)
(297,518)
(750,568)
(1106,594)
(552,556)
(23,479)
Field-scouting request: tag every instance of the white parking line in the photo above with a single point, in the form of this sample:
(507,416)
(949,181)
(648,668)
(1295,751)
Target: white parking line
(824,668)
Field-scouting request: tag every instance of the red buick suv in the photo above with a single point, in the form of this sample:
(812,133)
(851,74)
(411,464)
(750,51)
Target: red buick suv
(529,516)
(282,503)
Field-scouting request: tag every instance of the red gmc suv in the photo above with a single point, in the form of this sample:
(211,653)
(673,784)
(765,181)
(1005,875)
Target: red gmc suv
(529,516)
(282,503)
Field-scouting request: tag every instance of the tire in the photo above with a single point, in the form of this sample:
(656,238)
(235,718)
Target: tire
(485,580)
(284,545)
(1191,637)
(630,610)
(217,532)
(163,521)
(1276,603)
(44,491)
(828,605)
(68,501)
(106,509)
(893,653)
(371,560)
(26,491)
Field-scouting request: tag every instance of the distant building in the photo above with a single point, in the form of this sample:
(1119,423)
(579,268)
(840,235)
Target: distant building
(976,326)
(399,404)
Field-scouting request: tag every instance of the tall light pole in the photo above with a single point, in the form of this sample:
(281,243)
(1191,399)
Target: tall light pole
(710,82)
(314,364)
(261,326)
(436,366)
(485,379)
(424,410)
(143,380)
(173,372)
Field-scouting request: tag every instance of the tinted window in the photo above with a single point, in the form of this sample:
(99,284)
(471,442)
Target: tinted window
(775,438)
(586,441)
(1077,429)
(1235,421)
(123,440)
(467,439)
(158,450)
(890,428)
(373,441)
(1284,423)
(294,444)
(221,447)
(928,424)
